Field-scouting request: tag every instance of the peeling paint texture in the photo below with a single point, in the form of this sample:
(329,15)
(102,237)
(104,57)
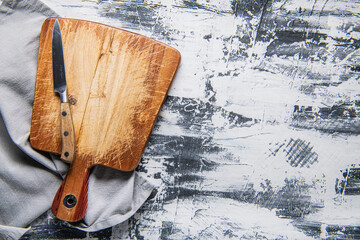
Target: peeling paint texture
(259,136)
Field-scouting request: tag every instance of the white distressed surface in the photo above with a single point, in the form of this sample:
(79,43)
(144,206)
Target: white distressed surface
(220,178)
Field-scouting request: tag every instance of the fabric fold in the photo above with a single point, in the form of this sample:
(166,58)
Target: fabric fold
(30,178)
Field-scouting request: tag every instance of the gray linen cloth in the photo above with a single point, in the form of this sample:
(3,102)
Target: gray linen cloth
(30,179)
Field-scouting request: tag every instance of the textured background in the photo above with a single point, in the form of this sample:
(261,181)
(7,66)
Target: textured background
(259,136)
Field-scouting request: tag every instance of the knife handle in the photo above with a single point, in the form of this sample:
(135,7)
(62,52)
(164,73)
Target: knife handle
(67,133)
(70,201)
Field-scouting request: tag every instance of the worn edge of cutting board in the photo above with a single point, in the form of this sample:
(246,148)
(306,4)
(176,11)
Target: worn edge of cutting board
(45,124)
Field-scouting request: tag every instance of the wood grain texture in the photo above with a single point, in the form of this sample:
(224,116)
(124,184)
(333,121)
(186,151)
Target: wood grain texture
(67,133)
(117,81)
(70,201)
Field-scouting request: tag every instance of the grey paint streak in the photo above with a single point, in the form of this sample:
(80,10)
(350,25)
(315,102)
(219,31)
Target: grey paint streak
(349,182)
(299,153)
(342,118)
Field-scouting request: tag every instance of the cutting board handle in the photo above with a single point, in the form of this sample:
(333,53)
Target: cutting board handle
(70,201)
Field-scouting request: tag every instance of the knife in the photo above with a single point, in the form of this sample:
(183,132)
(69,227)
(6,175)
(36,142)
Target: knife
(59,78)
(70,201)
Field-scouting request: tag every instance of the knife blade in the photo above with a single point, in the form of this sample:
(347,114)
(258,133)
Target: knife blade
(60,87)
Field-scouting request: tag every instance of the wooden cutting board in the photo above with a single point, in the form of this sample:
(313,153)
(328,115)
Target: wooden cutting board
(117,81)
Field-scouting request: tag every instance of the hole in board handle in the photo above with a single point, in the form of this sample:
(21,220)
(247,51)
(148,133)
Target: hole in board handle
(70,201)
